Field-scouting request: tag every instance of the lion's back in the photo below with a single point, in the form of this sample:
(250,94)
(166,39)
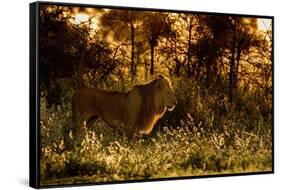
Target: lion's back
(135,109)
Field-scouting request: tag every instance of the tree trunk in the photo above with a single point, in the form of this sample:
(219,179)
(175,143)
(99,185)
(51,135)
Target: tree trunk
(132,51)
(177,68)
(189,51)
(81,83)
(208,73)
(151,58)
(138,58)
(238,55)
(178,63)
(232,64)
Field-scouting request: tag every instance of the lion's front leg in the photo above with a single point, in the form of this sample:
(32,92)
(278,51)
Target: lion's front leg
(137,137)
(133,133)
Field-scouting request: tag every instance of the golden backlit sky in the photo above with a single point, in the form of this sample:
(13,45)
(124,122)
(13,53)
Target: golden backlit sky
(263,24)
(83,17)
(80,17)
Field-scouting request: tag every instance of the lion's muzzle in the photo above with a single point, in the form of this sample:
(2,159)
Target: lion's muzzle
(171,107)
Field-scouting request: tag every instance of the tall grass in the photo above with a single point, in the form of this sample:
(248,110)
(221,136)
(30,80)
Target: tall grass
(203,135)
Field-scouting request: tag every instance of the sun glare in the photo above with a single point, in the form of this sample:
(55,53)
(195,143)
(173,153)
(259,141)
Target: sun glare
(80,17)
(264,24)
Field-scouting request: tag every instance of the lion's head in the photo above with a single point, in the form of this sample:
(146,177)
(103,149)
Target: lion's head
(164,98)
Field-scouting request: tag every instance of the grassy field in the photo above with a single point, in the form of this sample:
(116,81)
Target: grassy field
(204,135)
(170,153)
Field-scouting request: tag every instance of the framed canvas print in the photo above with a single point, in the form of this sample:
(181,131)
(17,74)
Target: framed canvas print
(121,94)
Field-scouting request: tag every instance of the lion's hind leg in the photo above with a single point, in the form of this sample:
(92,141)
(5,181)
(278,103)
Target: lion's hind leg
(74,135)
(91,121)
(68,141)
(78,133)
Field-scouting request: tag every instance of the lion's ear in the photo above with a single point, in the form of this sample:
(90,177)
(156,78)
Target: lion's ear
(158,77)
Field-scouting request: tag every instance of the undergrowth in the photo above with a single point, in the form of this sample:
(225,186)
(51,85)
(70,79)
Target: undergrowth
(204,135)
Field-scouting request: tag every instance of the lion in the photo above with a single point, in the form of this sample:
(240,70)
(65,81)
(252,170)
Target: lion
(136,111)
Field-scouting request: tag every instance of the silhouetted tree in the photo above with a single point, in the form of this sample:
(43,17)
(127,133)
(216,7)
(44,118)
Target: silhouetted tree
(124,24)
(155,25)
(56,55)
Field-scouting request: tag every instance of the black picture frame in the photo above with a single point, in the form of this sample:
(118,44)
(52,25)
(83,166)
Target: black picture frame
(34,93)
